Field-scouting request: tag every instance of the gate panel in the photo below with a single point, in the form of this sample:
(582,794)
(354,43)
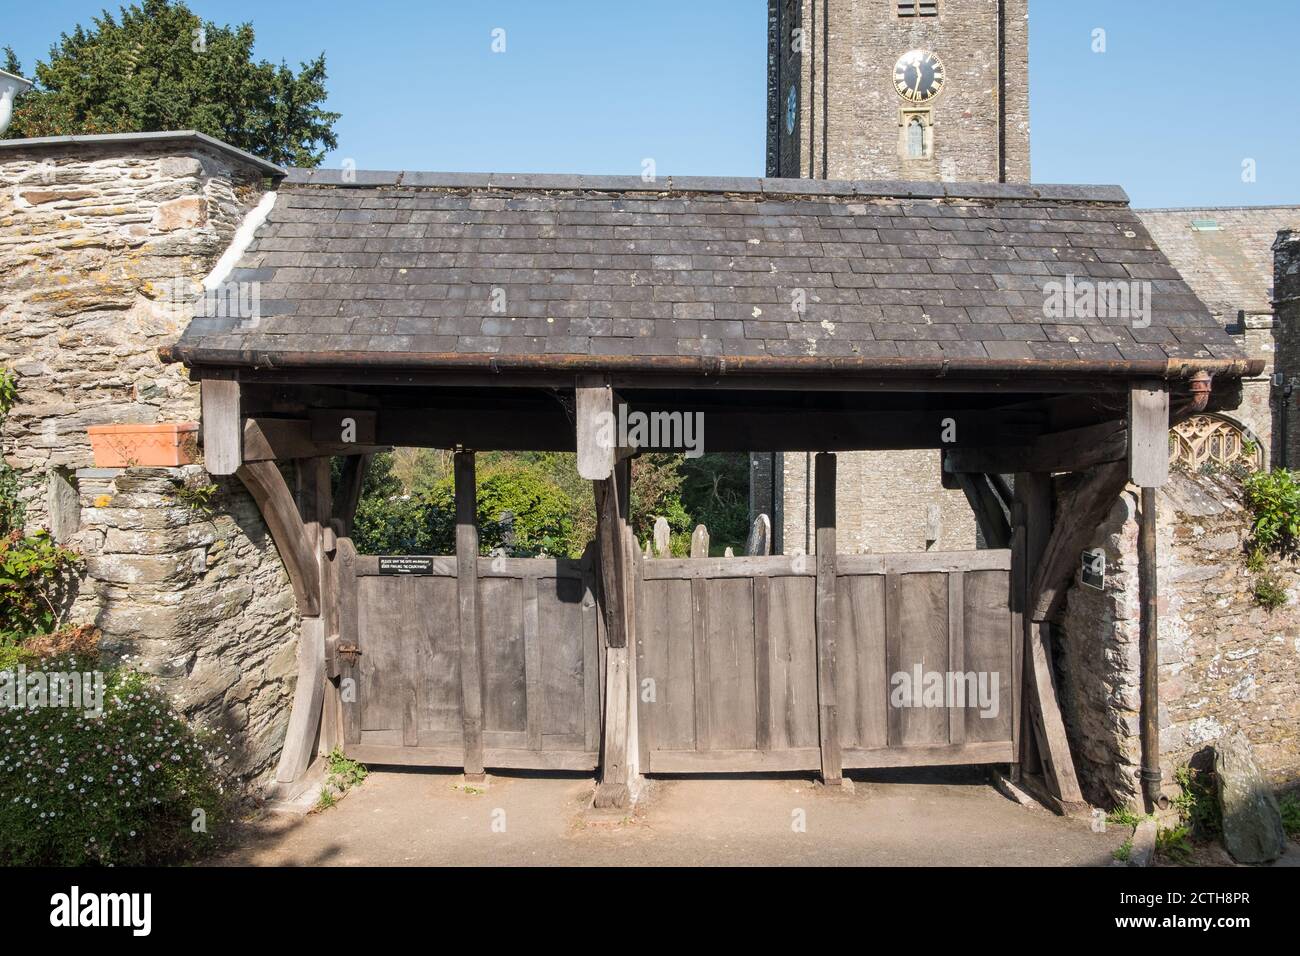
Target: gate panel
(860,669)
(731,646)
(792,694)
(540,664)
(728,664)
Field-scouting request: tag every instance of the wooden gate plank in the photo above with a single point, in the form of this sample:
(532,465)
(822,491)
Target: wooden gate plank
(956,652)
(534,701)
(501,626)
(700,661)
(923,641)
(762,665)
(988,650)
(730,654)
(860,664)
(824,507)
(793,638)
(471,636)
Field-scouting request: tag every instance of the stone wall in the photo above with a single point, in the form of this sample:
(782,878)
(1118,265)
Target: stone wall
(1225,663)
(94,238)
(883,504)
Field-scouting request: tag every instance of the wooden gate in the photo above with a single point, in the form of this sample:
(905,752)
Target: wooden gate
(728,662)
(539,653)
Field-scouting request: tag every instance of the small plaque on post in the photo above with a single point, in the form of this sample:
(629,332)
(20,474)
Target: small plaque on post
(405,564)
(1094,569)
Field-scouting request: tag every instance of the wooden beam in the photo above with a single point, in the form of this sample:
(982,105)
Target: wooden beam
(471,657)
(351,482)
(281,439)
(222,429)
(827,717)
(609,539)
(597,444)
(1073,450)
(268,488)
(343,426)
(1081,511)
(1148,429)
(989,516)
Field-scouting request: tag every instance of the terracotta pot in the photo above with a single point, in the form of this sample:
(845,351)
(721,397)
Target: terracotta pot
(144,446)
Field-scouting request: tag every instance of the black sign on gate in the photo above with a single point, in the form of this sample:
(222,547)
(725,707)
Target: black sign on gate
(405,564)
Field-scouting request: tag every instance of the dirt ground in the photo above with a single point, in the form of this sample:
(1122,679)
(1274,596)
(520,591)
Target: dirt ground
(917,818)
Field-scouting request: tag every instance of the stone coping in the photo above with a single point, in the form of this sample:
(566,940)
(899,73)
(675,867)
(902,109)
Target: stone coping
(188,136)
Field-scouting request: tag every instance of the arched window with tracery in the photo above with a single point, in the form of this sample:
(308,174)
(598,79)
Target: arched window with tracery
(1214,441)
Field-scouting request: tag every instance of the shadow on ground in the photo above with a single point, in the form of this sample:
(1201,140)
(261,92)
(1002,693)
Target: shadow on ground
(932,817)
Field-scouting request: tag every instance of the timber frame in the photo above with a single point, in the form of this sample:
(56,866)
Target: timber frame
(1040,469)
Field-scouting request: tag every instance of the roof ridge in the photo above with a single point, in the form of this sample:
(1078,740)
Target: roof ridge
(893,189)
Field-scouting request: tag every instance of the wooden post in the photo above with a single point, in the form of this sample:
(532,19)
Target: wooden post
(618,765)
(828,728)
(471,667)
(349,641)
(1148,437)
(223,430)
(597,444)
(315,501)
(1050,744)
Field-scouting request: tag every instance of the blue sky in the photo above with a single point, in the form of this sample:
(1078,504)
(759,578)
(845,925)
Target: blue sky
(1185,92)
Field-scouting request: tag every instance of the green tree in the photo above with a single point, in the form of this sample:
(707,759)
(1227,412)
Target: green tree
(159,66)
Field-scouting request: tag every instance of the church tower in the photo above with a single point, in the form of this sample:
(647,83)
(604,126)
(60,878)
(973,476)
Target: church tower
(914,90)
(899,89)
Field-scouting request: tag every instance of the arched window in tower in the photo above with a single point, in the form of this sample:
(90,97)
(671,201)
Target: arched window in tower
(915,138)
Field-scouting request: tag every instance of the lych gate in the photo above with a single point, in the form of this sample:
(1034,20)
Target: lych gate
(513,313)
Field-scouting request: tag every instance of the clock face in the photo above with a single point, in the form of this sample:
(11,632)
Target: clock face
(791,110)
(918,76)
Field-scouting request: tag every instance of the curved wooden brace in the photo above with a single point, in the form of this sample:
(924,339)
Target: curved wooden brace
(267,486)
(308,699)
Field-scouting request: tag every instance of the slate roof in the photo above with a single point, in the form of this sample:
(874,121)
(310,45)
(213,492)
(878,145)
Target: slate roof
(1229,267)
(567,272)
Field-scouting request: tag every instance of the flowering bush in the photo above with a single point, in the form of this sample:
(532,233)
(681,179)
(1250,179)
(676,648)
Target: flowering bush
(134,785)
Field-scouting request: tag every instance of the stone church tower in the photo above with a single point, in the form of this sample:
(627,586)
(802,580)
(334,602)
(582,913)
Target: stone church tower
(917,90)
